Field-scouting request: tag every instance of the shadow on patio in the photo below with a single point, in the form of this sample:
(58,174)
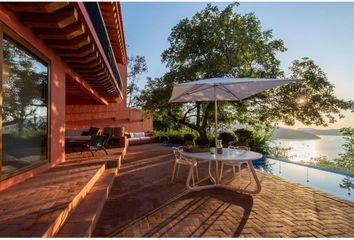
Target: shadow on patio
(143,203)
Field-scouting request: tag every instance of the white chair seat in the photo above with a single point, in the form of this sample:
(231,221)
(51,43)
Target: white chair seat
(181,160)
(186,162)
(233,164)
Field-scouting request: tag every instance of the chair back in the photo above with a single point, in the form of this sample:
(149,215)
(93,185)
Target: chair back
(93,131)
(180,158)
(240,147)
(108,130)
(176,152)
(98,141)
(107,137)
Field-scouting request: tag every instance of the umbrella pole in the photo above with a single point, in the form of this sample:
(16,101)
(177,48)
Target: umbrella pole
(216,120)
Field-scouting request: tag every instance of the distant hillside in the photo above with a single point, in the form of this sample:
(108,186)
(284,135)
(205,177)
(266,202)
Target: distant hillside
(333,132)
(287,133)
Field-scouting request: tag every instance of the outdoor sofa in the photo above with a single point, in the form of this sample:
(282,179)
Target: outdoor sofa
(136,138)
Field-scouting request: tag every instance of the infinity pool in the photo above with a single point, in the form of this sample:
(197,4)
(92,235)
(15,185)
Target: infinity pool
(337,184)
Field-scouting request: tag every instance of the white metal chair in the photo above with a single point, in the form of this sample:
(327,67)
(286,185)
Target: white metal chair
(182,160)
(234,164)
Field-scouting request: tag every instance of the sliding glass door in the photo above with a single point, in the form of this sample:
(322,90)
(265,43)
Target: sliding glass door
(24,108)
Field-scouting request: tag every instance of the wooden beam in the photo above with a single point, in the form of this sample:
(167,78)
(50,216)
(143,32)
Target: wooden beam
(93,57)
(89,71)
(58,19)
(87,66)
(85,87)
(37,7)
(95,76)
(82,52)
(75,43)
(101,86)
(67,33)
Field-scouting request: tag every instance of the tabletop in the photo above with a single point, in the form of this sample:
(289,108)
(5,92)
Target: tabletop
(227,155)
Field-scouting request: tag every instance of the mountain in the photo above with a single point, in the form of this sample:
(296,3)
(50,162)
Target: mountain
(333,132)
(287,133)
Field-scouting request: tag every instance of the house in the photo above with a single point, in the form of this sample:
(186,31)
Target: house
(66,64)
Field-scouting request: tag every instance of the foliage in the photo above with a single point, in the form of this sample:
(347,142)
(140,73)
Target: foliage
(346,159)
(259,141)
(136,66)
(227,138)
(24,86)
(189,137)
(279,152)
(161,125)
(323,162)
(224,43)
(311,101)
(243,135)
(176,136)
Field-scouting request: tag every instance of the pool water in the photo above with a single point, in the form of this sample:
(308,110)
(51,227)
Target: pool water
(340,185)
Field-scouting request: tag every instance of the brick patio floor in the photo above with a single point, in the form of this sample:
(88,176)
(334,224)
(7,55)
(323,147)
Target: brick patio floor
(143,203)
(40,205)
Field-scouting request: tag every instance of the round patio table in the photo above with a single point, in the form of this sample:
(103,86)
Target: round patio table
(228,155)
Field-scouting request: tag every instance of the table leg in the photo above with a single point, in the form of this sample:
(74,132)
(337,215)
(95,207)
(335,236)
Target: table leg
(217,172)
(258,183)
(196,188)
(217,182)
(210,175)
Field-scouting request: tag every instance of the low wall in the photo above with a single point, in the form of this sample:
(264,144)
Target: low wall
(113,115)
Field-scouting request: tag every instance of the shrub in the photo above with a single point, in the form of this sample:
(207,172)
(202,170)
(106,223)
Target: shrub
(189,137)
(243,135)
(259,142)
(227,138)
(175,136)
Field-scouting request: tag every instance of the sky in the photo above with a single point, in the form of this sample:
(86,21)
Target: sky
(324,32)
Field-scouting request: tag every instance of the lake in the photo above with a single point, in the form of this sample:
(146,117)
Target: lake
(303,150)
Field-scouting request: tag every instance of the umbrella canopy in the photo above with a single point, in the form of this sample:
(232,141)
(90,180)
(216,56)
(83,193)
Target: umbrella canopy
(223,89)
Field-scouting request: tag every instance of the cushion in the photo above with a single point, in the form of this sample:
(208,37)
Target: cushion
(139,134)
(74,132)
(145,138)
(78,138)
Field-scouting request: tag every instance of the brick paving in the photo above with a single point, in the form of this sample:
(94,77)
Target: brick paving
(39,205)
(143,203)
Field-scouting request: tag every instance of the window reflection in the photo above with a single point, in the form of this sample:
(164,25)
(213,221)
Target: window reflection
(24,109)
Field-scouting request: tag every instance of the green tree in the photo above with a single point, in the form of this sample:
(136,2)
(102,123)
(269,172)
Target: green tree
(346,159)
(136,66)
(223,43)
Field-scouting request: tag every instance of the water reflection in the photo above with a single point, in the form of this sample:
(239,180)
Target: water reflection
(305,150)
(347,183)
(24,109)
(330,182)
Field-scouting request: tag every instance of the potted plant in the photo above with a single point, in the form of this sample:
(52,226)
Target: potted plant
(189,139)
(227,138)
(244,136)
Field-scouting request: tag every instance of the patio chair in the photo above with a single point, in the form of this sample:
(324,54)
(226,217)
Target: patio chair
(91,132)
(181,160)
(234,164)
(108,131)
(97,142)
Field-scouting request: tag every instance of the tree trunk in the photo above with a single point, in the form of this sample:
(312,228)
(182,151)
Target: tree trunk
(203,136)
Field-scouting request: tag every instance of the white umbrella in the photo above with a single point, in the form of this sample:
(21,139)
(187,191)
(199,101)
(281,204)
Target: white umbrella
(223,89)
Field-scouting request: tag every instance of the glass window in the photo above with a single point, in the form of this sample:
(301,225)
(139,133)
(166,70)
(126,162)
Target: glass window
(24,109)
